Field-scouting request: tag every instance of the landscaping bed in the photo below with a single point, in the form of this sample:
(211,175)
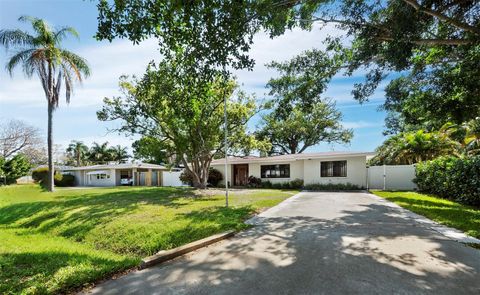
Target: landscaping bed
(452,214)
(55,242)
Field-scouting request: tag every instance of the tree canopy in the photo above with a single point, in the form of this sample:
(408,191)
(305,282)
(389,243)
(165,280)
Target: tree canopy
(184,113)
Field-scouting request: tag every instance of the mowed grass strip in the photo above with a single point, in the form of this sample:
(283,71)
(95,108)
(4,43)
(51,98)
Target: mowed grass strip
(449,213)
(53,242)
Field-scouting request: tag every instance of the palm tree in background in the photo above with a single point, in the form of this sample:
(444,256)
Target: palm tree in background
(119,154)
(100,153)
(79,151)
(41,54)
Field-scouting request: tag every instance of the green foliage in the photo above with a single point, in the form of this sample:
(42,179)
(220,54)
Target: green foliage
(55,242)
(254,181)
(413,147)
(77,152)
(293,184)
(452,178)
(462,217)
(214,177)
(14,168)
(40,176)
(184,113)
(332,187)
(42,54)
(150,150)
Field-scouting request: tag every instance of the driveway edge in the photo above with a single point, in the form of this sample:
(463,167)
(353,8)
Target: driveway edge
(451,233)
(166,255)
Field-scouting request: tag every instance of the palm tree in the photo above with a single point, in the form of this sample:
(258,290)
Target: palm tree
(119,154)
(78,151)
(41,54)
(100,153)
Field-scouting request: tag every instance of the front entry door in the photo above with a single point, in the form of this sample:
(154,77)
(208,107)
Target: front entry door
(240,175)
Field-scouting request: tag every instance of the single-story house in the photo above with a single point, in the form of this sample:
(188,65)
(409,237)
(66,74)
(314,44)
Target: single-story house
(312,168)
(138,174)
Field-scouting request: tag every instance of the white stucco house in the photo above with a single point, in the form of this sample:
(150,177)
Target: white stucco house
(312,168)
(137,174)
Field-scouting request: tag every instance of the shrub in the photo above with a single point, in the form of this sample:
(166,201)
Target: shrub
(214,177)
(64,180)
(293,184)
(453,178)
(40,176)
(254,181)
(332,187)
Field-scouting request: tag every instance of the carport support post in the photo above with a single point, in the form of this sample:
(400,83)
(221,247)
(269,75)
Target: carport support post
(384,176)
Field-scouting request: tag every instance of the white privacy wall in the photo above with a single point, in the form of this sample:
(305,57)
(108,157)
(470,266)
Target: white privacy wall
(172,178)
(397,177)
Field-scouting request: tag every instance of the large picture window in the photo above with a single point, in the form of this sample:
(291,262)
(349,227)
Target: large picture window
(275,171)
(333,169)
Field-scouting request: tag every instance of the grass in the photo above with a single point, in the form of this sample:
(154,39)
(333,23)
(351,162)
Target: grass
(55,242)
(462,217)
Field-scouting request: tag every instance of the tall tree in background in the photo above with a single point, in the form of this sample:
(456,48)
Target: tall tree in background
(78,151)
(119,154)
(300,117)
(41,54)
(150,150)
(100,153)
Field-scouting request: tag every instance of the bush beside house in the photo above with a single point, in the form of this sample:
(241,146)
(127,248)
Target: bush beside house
(40,175)
(214,177)
(453,178)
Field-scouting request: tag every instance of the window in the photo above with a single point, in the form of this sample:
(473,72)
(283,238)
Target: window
(275,171)
(333,169)
(103,176)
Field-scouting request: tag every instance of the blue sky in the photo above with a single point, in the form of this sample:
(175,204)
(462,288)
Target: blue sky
(23,99)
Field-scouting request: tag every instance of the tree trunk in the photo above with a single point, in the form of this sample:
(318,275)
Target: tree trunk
(51,168)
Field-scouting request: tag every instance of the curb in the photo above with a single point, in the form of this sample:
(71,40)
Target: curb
(166,255)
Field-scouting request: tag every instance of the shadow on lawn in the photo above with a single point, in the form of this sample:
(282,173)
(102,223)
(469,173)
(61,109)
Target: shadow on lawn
(82,213)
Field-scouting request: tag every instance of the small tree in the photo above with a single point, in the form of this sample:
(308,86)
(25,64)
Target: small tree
(15,168)
(183,111)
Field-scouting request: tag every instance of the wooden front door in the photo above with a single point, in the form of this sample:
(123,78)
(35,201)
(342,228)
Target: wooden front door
(240,175)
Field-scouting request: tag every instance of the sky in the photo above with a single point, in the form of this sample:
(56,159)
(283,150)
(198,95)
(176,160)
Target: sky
(23,99)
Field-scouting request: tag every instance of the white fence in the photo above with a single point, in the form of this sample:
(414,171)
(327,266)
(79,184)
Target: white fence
(172,178)
(395,177)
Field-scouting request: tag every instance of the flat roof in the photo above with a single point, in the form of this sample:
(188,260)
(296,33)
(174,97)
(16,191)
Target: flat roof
(119,166)
(290,157)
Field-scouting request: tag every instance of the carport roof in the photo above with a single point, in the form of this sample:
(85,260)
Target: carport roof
(290,157)
(119,166)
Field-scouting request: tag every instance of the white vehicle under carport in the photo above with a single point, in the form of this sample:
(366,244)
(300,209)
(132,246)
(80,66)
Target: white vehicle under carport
(126,181)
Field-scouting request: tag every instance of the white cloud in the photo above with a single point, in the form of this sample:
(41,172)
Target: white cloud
(361,124)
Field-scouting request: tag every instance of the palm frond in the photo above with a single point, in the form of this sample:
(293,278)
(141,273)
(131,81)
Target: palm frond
(76,63)
(15,38)
(63,32)
(45,35)
(17,58)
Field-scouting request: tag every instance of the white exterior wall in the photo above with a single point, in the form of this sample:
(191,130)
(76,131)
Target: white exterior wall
(91,180)
(356,171)
(172,178)
(309,171)
(221,168)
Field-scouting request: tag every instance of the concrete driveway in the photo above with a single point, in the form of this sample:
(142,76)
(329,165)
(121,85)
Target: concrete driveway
(319,243)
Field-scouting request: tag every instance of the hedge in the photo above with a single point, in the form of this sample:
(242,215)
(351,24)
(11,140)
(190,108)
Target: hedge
(453,178)
(40,176)
(214,177)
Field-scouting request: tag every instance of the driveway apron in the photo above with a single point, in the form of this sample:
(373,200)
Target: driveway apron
(318,243)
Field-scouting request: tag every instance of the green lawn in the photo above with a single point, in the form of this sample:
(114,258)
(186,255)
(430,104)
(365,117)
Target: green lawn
(464,218)
(53,242)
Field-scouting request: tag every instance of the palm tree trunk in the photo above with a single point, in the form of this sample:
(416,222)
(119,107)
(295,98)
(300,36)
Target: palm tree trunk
(51,168)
